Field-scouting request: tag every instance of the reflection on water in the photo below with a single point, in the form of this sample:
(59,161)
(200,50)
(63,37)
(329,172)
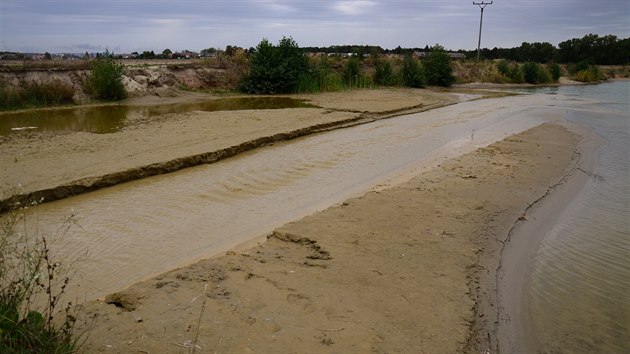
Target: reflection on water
(108,119)
(579,291)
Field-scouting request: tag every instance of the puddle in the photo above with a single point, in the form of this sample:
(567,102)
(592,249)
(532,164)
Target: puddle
(109,119)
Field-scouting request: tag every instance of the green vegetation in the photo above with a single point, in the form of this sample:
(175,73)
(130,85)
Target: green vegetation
(35,94)
(383,72)
(105,81)
(412,74)
(438,68)
(584,72)
(275,69)
(29,277)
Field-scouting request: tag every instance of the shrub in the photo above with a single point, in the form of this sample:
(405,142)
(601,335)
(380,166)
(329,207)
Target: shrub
(577,67)
(412,74)
(555,72)
(438,68)
(29,276)
(530,72)
(351,71)
(275,69)
(591,74)
(504,68)
(105,81)
(383,74)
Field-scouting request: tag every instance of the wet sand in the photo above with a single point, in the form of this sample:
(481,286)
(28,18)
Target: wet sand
(57,165)
(406,269)
(411,268)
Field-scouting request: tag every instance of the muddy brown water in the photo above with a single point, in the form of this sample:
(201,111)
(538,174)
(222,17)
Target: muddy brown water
(130,232)
(112,118)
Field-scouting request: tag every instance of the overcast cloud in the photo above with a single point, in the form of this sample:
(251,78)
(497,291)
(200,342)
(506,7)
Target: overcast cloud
(137,25)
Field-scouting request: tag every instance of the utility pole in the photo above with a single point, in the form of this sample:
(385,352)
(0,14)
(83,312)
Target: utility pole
(482,5)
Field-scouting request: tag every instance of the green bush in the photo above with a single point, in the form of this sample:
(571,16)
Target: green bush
(351,71)
(412,74)
(585,72)
(530,72)
(383,73)
(275,69)
(105,81)
(29,276)
(555,72)
(577,67)
(504,68)
(592,74)
(438,68)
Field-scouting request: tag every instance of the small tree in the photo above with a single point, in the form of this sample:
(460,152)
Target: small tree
(351,71)
(555,72)
(383,73)
(105,81)
(438,68)
(412,74)
(530,72)
(275,69)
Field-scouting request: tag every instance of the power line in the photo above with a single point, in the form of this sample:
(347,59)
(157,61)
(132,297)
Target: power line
(482,5)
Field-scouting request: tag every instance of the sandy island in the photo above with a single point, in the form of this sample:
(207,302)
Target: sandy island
(409,269)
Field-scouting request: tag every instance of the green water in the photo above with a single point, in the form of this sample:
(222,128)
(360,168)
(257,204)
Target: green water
(109,119)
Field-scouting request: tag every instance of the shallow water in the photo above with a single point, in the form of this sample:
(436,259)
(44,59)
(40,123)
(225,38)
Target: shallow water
(578,295)
(112,118)
(135,230)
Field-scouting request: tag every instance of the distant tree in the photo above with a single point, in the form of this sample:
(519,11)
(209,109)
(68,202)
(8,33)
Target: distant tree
(438,68)
(208,51)
(47,56)
(167,53)
(148,55)
(275,69)
(231,50)
(86,55)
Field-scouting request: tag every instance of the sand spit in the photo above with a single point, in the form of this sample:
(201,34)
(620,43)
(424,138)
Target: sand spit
(407,269)
(57,165)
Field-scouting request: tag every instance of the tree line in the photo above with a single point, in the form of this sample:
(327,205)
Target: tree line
(604,50)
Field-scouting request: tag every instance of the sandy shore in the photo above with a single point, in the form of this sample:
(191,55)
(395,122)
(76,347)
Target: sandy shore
(407,269)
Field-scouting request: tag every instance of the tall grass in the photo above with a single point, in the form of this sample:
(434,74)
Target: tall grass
(35,94)
(31,286)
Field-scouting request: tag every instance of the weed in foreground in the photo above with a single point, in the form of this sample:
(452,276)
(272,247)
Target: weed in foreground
(31,286)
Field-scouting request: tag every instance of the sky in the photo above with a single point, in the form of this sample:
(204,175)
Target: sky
(125,26)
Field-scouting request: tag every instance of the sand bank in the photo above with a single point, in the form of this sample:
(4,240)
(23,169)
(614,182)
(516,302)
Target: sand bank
(57,165)
(406,269)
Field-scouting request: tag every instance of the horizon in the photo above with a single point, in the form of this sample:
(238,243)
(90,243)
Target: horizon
(73,26)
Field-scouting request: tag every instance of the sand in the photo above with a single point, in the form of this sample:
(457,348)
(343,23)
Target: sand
(57,165)
(410,268)
(406,269)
